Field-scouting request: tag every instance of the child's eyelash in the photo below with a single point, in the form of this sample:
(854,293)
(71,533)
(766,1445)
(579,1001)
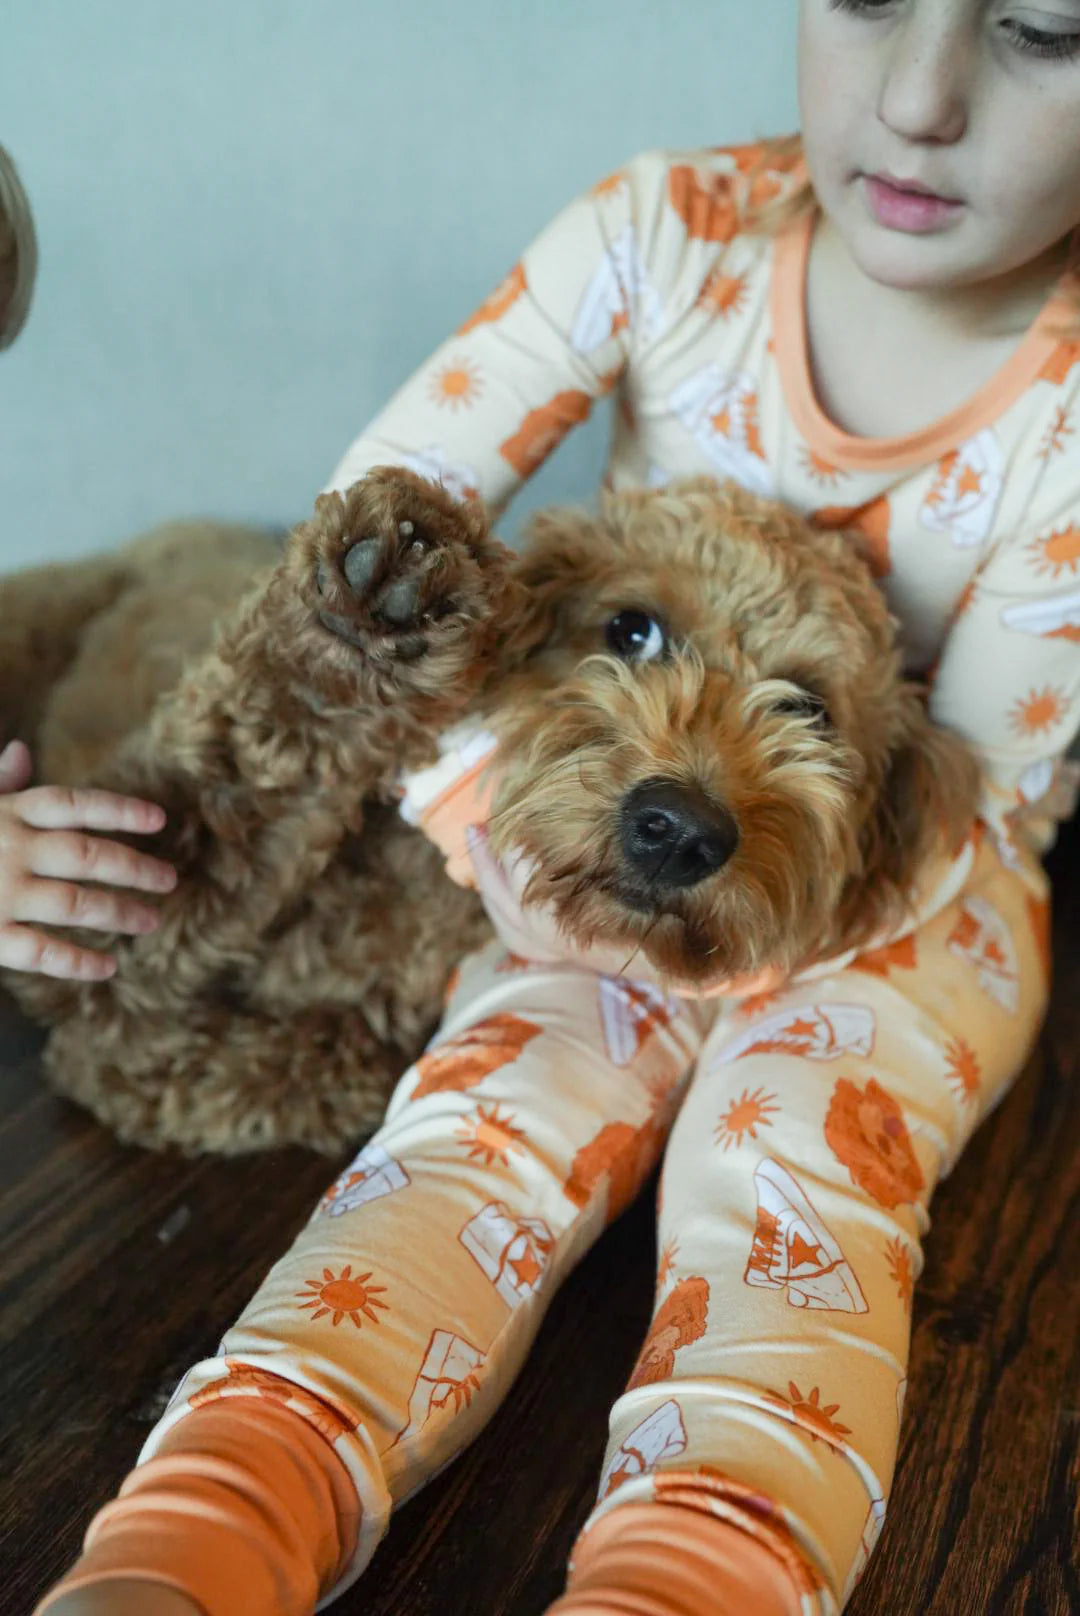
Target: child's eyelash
(1039,41)
(1056,47)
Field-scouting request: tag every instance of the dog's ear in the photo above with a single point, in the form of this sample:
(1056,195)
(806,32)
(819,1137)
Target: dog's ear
(558,565)
(925,805)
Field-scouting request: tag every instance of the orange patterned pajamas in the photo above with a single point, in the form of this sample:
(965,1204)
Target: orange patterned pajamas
(810,1129)
(803,1133)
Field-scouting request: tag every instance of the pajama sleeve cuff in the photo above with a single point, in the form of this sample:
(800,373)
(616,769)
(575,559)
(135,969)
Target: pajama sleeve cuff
(649,1559)
(245,1509)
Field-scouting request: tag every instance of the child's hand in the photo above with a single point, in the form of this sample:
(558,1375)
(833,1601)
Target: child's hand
(121,1598)
(45,853)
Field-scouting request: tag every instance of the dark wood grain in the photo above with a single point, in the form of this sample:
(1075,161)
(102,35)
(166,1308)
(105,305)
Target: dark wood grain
(118,1269)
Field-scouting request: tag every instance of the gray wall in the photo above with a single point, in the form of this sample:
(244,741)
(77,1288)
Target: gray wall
(256,217)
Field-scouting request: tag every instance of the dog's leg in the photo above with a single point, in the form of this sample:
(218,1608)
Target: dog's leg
(44,612)
(226,1081)
(374,633)
(341,666)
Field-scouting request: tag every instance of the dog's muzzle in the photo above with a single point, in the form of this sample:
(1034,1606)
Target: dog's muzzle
(674,835)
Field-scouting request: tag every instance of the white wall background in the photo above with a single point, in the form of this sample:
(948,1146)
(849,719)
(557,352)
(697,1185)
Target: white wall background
(257,216)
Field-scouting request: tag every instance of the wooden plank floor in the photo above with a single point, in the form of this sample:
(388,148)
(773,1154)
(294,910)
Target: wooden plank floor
(118,1268)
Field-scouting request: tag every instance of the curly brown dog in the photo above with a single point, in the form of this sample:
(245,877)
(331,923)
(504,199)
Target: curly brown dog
(706,748)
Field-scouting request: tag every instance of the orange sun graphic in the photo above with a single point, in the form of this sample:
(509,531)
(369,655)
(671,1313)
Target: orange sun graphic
(342,1296)
(743,1115)
(489,1136)
(667,1264)
(756,1003)
(1056,433)
(815,1419)
(724,293)
(899,1260)
(1038,710)
(457,385)
(1056,553)
(820,470)
(963,1068)
(609,184)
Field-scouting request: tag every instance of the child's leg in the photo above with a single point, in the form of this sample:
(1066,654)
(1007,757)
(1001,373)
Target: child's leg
(385,1339)
(770,1389)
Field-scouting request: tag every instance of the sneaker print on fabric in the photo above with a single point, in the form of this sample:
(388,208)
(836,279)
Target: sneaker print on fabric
(630,1012)
(982,937)
(821,1032)
(963,498)
(660,1437)
(369,1176)
(618,289)
(720,411)
(448,1378)
(1055,618)
(794,1251)
(513,1252)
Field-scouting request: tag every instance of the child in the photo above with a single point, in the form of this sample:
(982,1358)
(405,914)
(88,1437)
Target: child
(43,854)
(879,325)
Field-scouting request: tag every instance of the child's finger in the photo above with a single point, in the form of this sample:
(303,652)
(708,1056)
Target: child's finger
(66,903)
(15,767)
(23,949)
(73,856)
(86,808)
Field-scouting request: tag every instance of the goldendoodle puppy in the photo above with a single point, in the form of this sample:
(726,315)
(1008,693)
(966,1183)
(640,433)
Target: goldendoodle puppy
(707,756)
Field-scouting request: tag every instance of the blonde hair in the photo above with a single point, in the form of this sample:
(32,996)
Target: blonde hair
(18,252)
(781,193)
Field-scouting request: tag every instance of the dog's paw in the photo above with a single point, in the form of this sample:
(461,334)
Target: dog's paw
(398,564)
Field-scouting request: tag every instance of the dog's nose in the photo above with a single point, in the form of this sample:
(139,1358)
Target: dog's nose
(675,835)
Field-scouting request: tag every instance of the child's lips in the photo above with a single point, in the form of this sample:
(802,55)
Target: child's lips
(908,205)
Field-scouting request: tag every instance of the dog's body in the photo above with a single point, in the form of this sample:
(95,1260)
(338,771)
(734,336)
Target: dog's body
(707,755)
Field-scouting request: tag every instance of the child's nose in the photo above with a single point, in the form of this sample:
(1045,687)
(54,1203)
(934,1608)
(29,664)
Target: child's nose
(929,59)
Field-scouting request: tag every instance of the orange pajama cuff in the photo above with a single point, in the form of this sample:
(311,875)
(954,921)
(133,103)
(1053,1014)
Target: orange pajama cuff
(244,1508)
(651,1559)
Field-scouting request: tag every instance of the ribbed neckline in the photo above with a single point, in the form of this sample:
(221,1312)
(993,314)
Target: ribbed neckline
(791,254)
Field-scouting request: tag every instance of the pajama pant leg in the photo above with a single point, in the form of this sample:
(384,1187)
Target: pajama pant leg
(794,1195)
(400,1316)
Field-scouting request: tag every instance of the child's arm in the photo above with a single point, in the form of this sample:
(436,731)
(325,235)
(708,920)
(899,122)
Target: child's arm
(46,856)
(557,334)
(1008,679)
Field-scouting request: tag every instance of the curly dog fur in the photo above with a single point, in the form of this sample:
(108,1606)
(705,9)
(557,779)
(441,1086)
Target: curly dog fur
(269,700)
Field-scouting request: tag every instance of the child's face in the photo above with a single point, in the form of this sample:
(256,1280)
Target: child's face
(978,101)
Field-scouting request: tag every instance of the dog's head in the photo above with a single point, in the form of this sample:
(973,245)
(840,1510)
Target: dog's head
(707,748)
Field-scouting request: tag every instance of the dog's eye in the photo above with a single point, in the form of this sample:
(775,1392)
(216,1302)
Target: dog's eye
(805,704)
(636,636)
